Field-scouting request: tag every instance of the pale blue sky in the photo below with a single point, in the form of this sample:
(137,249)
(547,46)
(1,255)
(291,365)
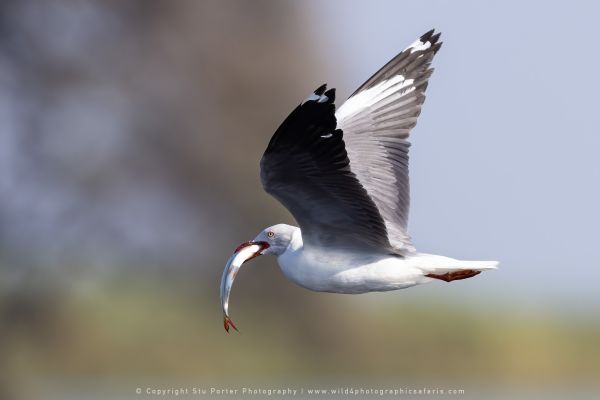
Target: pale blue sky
(505,157)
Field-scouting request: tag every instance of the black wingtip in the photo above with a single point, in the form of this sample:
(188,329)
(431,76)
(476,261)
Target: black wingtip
(330,95)
(425,37)
(321,89)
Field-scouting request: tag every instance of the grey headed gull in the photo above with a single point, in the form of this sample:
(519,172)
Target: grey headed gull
(343,175)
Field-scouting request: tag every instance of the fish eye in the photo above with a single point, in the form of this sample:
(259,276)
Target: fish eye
(270,234)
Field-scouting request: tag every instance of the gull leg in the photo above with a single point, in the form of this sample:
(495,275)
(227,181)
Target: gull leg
(454,275)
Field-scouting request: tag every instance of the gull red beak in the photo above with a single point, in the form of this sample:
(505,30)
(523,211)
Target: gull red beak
(244,252)
(263,246)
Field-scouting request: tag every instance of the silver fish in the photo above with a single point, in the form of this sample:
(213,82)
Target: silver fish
(244,252)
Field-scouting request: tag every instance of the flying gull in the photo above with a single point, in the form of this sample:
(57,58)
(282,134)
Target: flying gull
(344,177)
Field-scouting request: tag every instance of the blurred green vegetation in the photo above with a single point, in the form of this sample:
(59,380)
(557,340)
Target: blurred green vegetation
(134,329)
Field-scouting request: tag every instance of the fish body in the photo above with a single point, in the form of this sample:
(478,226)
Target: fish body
(242,254)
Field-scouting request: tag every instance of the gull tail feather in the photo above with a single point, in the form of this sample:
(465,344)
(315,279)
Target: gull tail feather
(480,265)
(466,265)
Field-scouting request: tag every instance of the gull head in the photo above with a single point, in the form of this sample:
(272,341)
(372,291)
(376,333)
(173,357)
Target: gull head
(276,238)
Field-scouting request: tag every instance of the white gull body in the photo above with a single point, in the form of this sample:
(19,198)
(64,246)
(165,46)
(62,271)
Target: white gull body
(344,271)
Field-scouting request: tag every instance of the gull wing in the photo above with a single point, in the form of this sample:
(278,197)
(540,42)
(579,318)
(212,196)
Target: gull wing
(306,168)
(377,120)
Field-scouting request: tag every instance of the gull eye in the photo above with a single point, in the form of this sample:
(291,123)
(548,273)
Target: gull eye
(270,234)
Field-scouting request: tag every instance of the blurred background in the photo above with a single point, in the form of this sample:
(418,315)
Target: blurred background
(130,136)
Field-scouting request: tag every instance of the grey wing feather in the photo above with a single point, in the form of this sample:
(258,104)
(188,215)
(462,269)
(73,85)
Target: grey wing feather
(377,120)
